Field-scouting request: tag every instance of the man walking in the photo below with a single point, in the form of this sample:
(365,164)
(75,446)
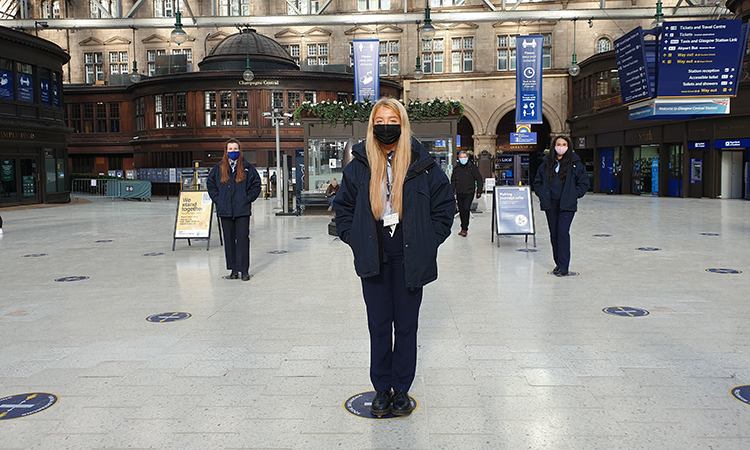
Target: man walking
(466,180)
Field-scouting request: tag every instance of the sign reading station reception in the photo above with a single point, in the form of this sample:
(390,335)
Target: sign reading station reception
(512,211)
(194,216)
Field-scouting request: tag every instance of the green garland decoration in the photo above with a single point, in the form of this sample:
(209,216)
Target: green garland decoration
(333,112)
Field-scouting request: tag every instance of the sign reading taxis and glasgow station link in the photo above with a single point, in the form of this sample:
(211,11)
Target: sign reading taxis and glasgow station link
(698,66)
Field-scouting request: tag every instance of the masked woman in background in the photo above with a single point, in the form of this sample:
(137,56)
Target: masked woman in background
(394,208)
(233,185)
(560,181)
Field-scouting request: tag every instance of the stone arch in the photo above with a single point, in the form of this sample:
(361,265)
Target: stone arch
(473,117)
(556,123)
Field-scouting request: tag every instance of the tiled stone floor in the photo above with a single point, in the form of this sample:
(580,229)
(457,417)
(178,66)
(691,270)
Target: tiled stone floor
(510,357)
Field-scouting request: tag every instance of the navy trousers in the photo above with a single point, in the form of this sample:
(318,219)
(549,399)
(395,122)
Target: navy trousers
(559,233)
(464,206)
(237,243)
(392,306)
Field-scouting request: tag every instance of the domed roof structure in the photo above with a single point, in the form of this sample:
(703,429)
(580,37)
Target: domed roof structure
(231,54)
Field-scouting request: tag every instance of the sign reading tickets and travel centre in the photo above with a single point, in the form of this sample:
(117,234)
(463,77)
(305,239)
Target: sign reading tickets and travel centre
(366,66)
(529,79)
(193,215)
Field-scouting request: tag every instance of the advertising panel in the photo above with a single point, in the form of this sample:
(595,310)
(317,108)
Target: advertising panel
(366,74)
(529,79)
(193,215)
(513,211)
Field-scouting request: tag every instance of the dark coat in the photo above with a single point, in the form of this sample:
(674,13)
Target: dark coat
(466,179)
(232,199)
(427,217)
(575,187)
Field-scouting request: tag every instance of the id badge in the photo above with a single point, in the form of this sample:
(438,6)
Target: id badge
(390,220)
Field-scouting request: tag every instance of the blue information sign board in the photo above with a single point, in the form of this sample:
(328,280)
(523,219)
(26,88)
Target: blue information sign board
(6,85)
(700,58)
(25,88)
(523,138)
(366,74)
(630,53)
(732,143)
(529,79)
(44,91)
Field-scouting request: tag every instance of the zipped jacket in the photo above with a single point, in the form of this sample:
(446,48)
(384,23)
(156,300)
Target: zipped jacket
(575,187)
(426,219)
(466,179)
(234,199)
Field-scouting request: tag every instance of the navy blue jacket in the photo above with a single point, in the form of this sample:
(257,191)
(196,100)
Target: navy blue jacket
(426,218)
(575,187)
(232,199)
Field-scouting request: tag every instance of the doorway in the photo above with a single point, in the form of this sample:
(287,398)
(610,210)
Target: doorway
(18,181)
(731,174)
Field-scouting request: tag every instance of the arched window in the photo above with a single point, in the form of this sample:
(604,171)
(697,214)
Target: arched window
(603,45)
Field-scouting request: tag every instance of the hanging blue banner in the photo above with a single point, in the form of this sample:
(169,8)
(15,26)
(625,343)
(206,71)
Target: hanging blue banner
(366,74)
(529,79)
(44,91)
(6,85)
(25,88)
(700,58)
(630,53)
(56,90)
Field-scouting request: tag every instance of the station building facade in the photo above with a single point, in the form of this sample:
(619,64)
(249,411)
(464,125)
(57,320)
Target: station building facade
(473,63)
(33,133)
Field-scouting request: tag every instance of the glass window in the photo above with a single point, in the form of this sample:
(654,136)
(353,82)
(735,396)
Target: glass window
(311,96)
(211,108)
(50,169)
(462,55)
(158,111)
(373,5)
(166,8)
(603,45)
(93,67)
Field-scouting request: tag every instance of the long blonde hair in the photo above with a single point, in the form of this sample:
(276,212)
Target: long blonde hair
(379,162)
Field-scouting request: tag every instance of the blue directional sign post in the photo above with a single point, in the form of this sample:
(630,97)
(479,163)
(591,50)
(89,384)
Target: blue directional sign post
(630,53)
(700,58)
(366,74)
(529,79)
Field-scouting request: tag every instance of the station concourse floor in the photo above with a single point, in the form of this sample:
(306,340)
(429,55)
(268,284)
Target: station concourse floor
(510,357)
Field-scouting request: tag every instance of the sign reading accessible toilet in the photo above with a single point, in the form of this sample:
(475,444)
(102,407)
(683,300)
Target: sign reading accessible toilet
(22,405)
(168,317)
(359,405)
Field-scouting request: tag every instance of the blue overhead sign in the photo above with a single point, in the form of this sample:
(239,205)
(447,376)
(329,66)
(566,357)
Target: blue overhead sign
(697,145)
(679,108)
(732,143)
(366,74)
(529,79)
(700,58)
(630,53)
(523,138)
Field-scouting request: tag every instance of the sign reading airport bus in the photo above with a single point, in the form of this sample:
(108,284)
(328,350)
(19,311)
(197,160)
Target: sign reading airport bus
(630,53)
(701,58)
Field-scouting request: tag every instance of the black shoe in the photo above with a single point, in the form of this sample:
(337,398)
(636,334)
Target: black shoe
(245,277)
(562,273)
(556,270)
(401,404)
(234,275)
(381,404)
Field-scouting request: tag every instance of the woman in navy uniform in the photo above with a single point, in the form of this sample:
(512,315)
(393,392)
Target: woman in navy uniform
(394,208)
(233,185)
(560,181)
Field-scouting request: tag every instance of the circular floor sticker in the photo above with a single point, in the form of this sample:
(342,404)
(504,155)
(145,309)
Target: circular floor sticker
(710,234)
(226,277)
(527,250)
(23,405)
(570,274)
(726,271)
(34,255)
(303,238)
(359,405)
(337,239)
(648,249)
(64,279)
(625,311)
(278,252)
(168,317)
(741,393)
(100,241)
(602,235)
(153,254)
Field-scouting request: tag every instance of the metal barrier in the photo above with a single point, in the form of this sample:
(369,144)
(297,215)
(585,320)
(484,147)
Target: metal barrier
(112,188)
(89,186)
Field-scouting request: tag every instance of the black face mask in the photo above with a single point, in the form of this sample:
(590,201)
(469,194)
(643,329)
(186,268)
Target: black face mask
(387,134)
